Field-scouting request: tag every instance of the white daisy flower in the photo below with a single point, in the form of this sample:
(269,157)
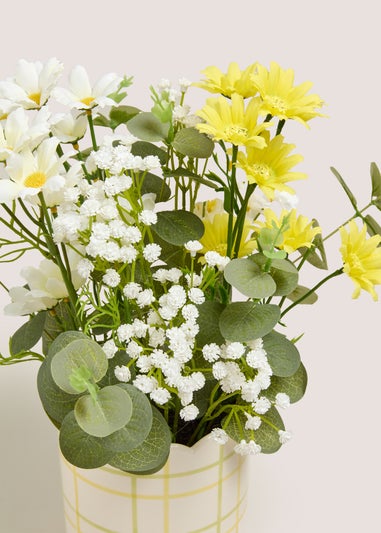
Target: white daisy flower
(81,95)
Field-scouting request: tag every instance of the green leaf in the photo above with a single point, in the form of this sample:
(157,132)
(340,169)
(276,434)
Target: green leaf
(267,435)
(152,454)
(137,428)
(157,185)
(376,184)
(372,226)
(282,354)
(178,227)
(80,448)
(148,127)
(282,271)
(294,386)
(57,321)
(347,190)
(299,292)
(245,321)
(63,340)
(209,323)
(28,334)
(79,353)
(109,410)
(55,401)
(143,148)
(122,114)
(192,143)
(249,279)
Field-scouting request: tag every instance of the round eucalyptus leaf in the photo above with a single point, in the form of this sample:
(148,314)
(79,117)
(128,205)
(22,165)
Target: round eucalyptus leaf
(148,127)
(108,412)
(178,227)
(77,355)
(294,386)
(192,143)
(63,340)
(283,272)
(282,354)
(154,184)
(151,454)
(247,277)
(208,320)
(246,321)
(285,276)
(137,428)
(144,148)
(55,401)
(80,448)
(267,434)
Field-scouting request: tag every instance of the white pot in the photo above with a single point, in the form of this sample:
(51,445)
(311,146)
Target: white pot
(200,489)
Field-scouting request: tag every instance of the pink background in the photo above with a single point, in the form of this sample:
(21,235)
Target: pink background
(327,478)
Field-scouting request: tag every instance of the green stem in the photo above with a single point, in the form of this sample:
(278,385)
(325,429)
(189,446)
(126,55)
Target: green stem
(332,275)
(358,213)
(233,189)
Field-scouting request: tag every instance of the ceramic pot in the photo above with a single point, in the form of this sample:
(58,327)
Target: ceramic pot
(200,489)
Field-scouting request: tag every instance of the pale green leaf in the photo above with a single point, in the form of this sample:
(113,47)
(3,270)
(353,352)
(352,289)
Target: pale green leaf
(245,321)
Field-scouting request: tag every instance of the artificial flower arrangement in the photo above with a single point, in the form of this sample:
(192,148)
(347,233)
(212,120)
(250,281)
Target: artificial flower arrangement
(170,254)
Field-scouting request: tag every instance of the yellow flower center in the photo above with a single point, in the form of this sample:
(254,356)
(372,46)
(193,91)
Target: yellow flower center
(235,134)
(262,170)
(355,265)
(277,104)
(3,117)
(36,97)
(35,180)
(87,100)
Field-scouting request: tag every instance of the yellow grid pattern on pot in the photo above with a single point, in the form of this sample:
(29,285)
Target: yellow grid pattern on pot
(198,492)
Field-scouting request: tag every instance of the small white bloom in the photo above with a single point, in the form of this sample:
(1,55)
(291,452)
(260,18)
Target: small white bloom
(214,259)
(284,436)
(233,350)
(145,298)
(189,412)
(190,312)
(247,448)
(193,247)
(252,422)
(151,252)
(109,348)
(147,217)
(127,254)
(184,84)
(160,395)
(85,268)
(144,363)
(282,400)
(262,405)
(250,390)
(196,296)
(176,296)
(140,328)
(145,384)
(125,332)
(234,378)
(122,373)
(193,280)
(111,278)
(219,435)
(211,352)
(219,370)
(133,349)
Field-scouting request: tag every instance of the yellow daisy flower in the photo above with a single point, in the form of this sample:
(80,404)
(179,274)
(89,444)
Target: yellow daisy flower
(229,121)
(298,231)
(281,98)
(234,81)
(362,258)
(270,166)
(215,236)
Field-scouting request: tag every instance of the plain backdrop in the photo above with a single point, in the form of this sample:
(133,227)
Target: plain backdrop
(327,478)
